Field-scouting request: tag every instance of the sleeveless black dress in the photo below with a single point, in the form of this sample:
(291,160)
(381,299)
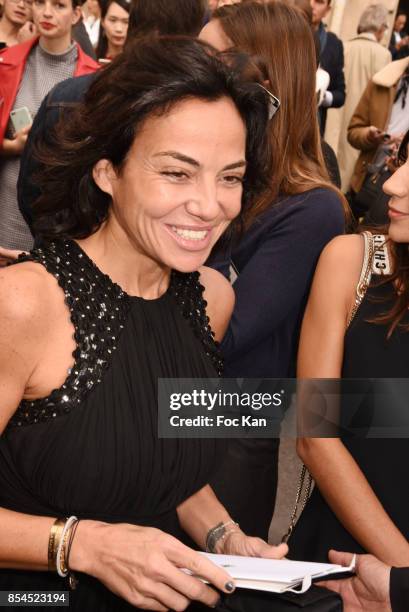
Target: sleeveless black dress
(384,462)
(91,448)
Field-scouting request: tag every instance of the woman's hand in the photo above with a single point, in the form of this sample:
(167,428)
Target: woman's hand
(368,590)
(143,566)
(238,543)
(14,146)
(375,136)
(8,255)
(27,31)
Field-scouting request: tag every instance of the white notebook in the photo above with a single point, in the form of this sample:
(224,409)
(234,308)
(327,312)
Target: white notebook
(275,576)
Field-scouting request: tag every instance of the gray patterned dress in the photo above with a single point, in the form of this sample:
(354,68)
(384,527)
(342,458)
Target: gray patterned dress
(43,70)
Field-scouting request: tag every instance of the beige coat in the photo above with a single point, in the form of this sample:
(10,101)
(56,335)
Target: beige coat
(375,109)
(364,57)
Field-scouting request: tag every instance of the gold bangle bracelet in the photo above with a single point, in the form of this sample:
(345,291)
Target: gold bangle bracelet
(62,559)
(54,542)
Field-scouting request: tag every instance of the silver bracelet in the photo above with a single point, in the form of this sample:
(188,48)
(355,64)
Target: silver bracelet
(218,533)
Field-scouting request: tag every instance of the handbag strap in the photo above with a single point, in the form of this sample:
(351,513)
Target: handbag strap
(304,476)
(365,276)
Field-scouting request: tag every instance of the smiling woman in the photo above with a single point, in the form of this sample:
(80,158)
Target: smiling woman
(138,187)
(175,204)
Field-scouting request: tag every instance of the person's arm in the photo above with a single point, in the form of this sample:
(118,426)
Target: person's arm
(368,590)
(13,147)
(277,277)
(339,478)
(27,31)
(23,538)
(203,511)
(360,134)
(140,564)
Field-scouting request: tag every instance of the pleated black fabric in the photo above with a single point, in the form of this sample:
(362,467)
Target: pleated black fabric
(101,457)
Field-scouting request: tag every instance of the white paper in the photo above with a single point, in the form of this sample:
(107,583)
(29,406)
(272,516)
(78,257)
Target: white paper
(276,576)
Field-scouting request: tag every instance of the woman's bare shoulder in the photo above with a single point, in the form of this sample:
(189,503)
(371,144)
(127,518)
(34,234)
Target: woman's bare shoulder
(337,274)
(27,297)
(341,260)
(25,291)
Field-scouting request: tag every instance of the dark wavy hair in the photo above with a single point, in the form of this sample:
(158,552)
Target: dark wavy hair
(400,274)
(166,17)
(148,79)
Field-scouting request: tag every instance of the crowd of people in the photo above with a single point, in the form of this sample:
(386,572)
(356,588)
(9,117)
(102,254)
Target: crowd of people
(170,208)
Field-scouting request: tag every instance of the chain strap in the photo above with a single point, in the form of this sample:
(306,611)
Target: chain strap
(303,476)
(366,273)
(362,287)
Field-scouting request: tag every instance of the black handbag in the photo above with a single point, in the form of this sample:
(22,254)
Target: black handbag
(316,599)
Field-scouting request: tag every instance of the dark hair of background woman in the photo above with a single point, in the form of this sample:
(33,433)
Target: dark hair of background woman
(102,46)
(400,274)
(167,17)
(148,78)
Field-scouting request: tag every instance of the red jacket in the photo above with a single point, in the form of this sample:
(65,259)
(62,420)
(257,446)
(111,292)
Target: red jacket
(12,62)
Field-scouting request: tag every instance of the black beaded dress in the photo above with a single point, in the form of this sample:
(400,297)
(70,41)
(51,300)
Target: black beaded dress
(91,448)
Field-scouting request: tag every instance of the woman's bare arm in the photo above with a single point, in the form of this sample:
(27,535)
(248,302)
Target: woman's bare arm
(203,511)
(338,476)
(21,335)
(23,538)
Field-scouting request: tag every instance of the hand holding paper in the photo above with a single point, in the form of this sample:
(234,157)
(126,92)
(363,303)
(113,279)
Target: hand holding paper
(238,543)
(368,590)
(275,575)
